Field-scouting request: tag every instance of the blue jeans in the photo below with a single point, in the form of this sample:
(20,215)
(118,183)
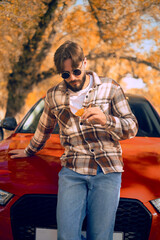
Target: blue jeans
(95,196)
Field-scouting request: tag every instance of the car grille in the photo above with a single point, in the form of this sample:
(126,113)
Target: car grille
(39,211)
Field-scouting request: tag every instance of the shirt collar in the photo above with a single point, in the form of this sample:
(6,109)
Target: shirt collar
(96,79)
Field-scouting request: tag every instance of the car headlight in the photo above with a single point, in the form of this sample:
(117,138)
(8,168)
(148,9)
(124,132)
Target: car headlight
(156,204)
(5,197)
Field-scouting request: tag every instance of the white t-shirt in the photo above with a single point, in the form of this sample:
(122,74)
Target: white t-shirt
(77,98)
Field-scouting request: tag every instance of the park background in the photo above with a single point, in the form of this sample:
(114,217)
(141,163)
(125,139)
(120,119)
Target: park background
(120,39)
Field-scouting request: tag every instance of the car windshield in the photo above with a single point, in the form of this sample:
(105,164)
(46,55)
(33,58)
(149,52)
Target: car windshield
(147,117)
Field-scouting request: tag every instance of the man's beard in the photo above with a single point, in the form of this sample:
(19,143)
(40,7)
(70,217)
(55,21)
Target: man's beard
(77,88)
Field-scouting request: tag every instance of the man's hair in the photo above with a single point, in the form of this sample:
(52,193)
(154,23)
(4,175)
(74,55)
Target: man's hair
(68,50)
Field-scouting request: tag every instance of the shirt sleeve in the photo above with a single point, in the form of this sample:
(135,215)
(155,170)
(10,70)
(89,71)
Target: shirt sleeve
(122,124)
(44,129)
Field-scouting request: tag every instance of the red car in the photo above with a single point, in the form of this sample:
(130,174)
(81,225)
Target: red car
(28,187)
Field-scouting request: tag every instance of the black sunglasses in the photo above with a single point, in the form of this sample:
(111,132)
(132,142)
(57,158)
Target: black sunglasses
(76,72)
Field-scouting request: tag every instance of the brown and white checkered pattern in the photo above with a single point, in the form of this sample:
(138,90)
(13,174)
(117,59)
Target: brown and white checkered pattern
(87,145)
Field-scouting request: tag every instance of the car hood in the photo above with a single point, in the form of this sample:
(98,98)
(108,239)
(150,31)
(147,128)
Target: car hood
(141,177)
(39,173)
(36,174)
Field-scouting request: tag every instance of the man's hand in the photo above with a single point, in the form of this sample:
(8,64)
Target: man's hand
(18,153)
(94,115)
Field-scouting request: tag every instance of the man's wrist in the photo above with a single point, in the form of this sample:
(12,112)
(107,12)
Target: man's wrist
(105,121)
(28,154)
(108,122)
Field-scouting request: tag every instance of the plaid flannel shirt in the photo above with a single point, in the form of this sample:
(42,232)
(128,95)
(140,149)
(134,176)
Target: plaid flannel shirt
(86,145)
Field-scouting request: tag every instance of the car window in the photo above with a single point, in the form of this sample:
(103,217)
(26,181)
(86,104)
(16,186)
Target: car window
(148,119)
(30,121)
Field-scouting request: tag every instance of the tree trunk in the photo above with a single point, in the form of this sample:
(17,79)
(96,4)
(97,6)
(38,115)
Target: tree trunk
(26,70)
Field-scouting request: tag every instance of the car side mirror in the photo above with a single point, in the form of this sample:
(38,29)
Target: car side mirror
(8,123)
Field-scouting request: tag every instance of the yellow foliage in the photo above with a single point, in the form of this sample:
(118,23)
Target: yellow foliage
(111,33)
(8,38)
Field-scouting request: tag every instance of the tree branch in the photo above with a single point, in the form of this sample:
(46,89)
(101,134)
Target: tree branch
(92,56)
(140,61)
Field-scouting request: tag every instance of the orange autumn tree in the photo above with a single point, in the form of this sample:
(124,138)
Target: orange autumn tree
(41,30)
(18,20)
(115,34)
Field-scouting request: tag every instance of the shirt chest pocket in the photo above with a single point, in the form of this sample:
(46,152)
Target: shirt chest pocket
(63,116)
(104,105)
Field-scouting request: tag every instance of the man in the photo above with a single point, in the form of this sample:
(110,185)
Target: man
(90,179)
